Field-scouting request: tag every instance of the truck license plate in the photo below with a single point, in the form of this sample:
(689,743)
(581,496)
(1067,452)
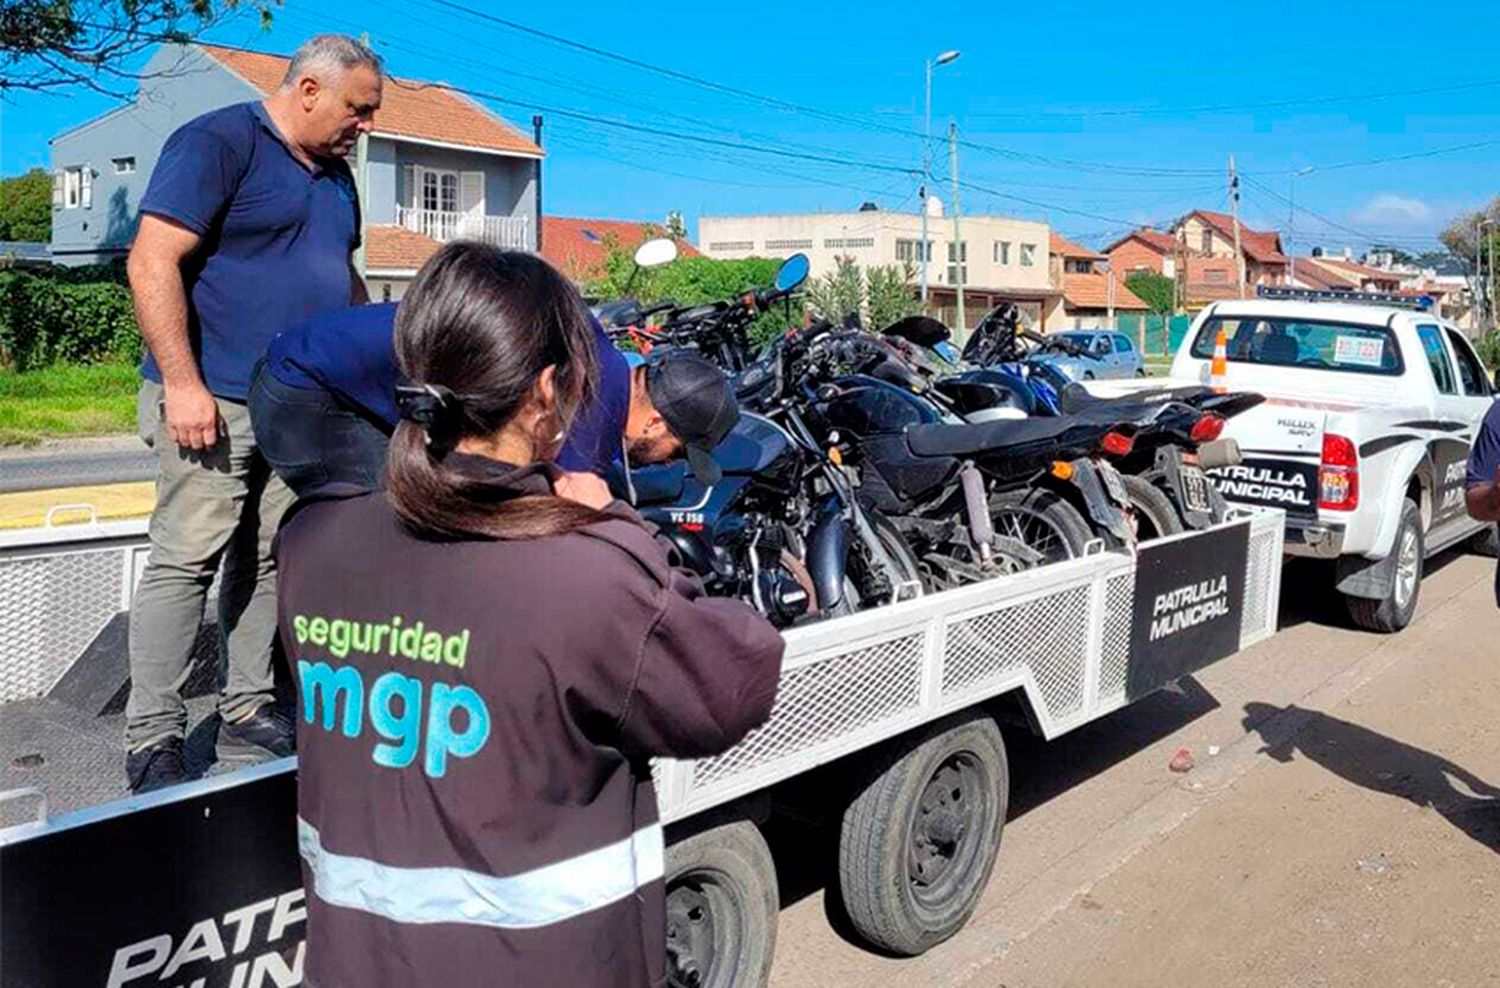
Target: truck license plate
(1195,488)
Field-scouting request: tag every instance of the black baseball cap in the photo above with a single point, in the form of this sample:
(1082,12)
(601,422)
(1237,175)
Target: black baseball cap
(697,401)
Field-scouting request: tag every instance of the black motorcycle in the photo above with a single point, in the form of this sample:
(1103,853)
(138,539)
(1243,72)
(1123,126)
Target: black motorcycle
(782,529)
(972,499)
(1175,431)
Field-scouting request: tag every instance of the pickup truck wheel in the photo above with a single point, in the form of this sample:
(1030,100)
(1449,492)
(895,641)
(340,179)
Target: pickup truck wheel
(722,902)
(1155,515)
(1395,610)
(918,842)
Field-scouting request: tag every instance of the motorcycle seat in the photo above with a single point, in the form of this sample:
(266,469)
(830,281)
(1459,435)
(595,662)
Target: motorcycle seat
(1075,399)
(943,439)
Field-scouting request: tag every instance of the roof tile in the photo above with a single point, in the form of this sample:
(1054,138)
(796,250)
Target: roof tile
(1091,291)
(418,110)
(577,246)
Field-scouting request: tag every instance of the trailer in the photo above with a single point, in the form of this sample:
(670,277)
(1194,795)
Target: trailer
(885,724)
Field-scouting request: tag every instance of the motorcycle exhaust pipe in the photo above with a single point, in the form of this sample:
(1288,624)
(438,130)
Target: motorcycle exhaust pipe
(981,527)
(1220,453)
(827,551)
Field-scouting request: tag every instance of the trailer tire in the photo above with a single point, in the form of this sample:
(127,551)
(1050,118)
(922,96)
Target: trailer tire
(1156,515)
(918,842)
(722,903)
(1394,611)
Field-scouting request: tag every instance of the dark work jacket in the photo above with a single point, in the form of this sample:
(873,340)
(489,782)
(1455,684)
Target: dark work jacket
(475,801)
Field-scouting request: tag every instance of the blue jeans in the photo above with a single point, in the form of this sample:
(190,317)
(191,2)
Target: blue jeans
(312,439)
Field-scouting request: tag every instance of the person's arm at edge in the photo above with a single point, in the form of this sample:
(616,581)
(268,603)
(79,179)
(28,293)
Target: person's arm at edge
(1483,500)
(155,271)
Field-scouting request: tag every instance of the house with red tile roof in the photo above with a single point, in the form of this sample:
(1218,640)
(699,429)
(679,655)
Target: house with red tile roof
(1087,297)
(438,166)
(1206,234)
(1144,249)
(578,247)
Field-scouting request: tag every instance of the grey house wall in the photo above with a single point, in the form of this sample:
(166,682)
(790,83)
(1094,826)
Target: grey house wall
(196,85)
(193,83)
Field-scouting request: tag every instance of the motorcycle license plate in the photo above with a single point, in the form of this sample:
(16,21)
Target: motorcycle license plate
(1113,484)
(1195,488)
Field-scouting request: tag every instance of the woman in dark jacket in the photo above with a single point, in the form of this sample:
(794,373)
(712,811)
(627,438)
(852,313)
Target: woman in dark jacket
(489,653)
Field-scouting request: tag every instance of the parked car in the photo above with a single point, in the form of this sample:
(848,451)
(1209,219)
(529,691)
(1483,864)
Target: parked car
(1108,355)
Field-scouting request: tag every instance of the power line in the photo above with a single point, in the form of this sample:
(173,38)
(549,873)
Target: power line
(1235,107)
(802,108)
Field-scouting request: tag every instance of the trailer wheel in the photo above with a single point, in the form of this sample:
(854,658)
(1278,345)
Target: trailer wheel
(1394,611)
(918,842)
(722,902)
(1155,514)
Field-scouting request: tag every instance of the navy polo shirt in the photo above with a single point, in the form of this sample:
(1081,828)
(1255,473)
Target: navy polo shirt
(351,354)
(1484,459)
(276,237)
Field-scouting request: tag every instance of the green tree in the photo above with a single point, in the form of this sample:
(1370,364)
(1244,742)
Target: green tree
(1160,295)
(838,292)
(26,206)
(881,294)
(888,295)
(694,280)
(60,44)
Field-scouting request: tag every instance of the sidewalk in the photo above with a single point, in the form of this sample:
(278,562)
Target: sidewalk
(1360,850)
(112,502)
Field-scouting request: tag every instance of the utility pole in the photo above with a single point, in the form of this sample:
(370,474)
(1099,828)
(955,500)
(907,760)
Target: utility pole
(1234,212)
(924,248)
(960,253)
(536,132)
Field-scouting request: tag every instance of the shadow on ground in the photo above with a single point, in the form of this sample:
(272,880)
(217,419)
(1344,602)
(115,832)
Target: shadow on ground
(1381,764)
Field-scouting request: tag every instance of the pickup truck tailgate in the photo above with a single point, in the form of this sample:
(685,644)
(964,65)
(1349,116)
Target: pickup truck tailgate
(1282,443)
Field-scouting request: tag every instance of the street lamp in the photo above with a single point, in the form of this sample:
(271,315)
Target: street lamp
(923,247)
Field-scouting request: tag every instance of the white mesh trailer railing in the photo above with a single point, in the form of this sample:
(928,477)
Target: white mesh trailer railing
(1060,634)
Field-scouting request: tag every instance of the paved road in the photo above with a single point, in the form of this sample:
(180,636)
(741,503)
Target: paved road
(75,464)
(1358,850)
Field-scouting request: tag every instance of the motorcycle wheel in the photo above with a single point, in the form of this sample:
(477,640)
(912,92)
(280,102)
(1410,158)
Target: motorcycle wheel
(865,587)
(1045,524)
(1155,514)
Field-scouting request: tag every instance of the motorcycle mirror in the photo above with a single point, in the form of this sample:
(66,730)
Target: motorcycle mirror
(793,272)
(655,253)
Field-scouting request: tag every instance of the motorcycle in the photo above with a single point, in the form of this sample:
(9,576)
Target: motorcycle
(1176,434)
(783,528)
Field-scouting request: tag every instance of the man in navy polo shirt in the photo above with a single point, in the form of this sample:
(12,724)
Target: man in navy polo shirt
(247,228)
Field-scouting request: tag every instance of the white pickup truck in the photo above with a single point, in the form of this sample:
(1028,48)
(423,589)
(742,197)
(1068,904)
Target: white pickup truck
(1363,440)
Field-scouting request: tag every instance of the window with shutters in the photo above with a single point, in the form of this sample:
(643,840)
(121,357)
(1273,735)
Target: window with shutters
(72,196)
(1002,251)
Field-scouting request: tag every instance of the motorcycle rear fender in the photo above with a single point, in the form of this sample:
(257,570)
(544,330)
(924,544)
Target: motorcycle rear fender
(1101,510)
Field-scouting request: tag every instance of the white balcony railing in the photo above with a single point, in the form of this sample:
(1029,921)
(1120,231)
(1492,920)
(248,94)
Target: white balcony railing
(510,232)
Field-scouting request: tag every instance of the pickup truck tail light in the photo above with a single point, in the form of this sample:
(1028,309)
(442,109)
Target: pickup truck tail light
(1338,476)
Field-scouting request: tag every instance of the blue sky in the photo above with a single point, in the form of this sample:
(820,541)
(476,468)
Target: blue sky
(1092,115)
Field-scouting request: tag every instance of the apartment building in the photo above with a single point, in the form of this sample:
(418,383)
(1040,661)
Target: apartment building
(998,258)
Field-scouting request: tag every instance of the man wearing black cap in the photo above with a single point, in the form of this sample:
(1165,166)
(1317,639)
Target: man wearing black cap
(680,404)
(323,405)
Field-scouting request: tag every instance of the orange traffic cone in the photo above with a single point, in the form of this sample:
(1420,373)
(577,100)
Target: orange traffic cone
(1220,366)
